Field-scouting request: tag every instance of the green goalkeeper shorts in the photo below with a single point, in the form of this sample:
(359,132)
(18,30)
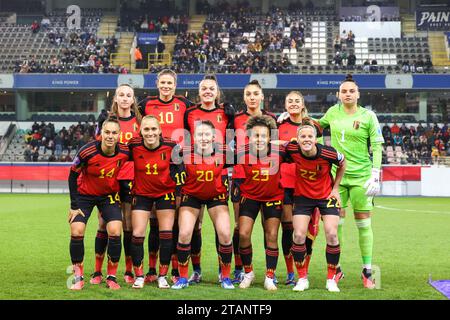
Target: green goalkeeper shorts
(352,188)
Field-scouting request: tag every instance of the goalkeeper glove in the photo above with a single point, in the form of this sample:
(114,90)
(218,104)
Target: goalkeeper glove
(373,184)
(283,116)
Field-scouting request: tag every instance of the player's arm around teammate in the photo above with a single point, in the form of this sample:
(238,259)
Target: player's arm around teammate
(203,163)
(296,109)
(260,191)
(125,109)
(98,163)
(153,186)
(315,189)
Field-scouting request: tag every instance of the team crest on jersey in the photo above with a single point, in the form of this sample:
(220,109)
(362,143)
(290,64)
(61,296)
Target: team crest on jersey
(119,162)
(177,107)
(216,162)
(219,118)
(356,124)
(163,156)
(318,168)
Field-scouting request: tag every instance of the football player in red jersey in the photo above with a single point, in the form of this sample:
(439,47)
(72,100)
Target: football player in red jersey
(125,109)
(295,107)
(97,164)
(204,185)
(221,116)
(253,99)
(169,109)
(154,184)
(260,191)
(315,188)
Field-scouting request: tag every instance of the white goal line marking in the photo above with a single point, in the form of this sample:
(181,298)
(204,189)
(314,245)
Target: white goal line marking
(411,210)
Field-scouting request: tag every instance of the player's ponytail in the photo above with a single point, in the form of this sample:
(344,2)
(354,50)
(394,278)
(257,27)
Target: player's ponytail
(349,78)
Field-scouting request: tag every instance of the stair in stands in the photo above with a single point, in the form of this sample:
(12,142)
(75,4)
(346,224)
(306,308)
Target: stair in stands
(408,23)
(439,55)
(123,57)
(107,27)
(196,23)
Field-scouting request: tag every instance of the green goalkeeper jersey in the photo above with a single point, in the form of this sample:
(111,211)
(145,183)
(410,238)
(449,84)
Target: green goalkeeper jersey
(352,135)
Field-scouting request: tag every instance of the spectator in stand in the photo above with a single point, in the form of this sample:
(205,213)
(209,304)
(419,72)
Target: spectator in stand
(419,66)
(35,154)
(405,66)
(374,66)
(395,129)
(337,60)
(337,43)
(45,23)
(138,57)
(27,153)
(350,39)
(366,66)
(351,60)
(35,27)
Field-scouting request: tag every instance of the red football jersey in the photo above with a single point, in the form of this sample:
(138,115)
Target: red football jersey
(241,137)
(99,172)
(287,131)
(216,116)
(153,169)
(204,173)
(262,175)
(170,115)
(129,128)
(313,175)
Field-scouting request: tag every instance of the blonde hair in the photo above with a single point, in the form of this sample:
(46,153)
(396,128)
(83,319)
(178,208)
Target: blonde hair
(304,111)
(167,72)
(134,105)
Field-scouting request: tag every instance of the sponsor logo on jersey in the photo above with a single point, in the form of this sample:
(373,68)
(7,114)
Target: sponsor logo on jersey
(356,124)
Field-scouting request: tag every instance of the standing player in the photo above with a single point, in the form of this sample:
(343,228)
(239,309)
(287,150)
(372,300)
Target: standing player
(296,109)
(153,185)
(253,98)
(204,163)
(169,110)
(124,108)
(98,162)
(221,116)
(260,191)
(353,129)
(315,188)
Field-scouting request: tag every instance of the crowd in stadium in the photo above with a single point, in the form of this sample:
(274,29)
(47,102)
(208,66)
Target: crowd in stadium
(417,144)
(42,140)
(165,25)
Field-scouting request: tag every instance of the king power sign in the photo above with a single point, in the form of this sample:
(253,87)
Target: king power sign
(433,18)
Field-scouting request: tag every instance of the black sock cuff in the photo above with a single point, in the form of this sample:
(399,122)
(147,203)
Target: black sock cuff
(166,235)
(137,240)
(183,247)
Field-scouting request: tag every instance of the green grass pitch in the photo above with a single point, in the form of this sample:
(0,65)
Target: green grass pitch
(411,241)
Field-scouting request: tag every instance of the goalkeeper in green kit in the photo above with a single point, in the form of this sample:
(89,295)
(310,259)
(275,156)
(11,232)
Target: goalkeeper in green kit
(353,129)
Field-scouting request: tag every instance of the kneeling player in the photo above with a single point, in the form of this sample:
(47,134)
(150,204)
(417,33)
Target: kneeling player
(153,185)
(204,162)
(315,188)
(99,163)
(260,191)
